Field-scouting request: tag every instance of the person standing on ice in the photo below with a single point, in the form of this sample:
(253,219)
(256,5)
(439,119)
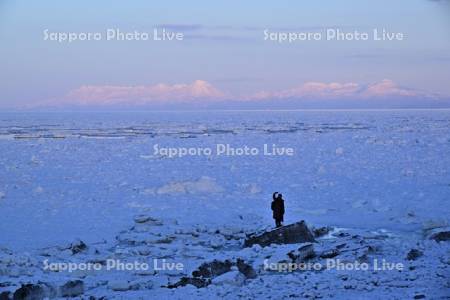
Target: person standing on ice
(278,208)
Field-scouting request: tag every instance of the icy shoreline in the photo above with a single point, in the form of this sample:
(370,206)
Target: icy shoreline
(151,258)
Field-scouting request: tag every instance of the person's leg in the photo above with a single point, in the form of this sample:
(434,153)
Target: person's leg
(277,223)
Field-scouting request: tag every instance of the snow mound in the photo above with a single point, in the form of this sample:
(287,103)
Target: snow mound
(339,151)
(203,185)
(233,278)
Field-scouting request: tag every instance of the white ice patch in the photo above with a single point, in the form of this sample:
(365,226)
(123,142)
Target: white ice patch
(251,188)
(203,185)
(35,160)
(148,192)
(254,189)
(38,190)
(233,278)
(2,195)
(321,170)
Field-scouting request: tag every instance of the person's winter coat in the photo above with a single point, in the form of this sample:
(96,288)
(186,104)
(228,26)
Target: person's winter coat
(278,208)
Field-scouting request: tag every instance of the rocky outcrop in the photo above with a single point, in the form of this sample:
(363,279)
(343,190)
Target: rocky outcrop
(77,246)
(213,269)
(303,253)
(290,234)
(440,234)
(72,288)
(331,253)
(197,282)
(414,254)
(32,291)
(246,269)
(41,290)
(145,219)
(218,272)
(321,231)
(291,265)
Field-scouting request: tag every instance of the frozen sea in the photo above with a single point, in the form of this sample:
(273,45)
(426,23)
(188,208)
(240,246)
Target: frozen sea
(84,175)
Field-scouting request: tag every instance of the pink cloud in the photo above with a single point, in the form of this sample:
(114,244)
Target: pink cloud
(201,91)
(387,87)
(110,94)
(334,90)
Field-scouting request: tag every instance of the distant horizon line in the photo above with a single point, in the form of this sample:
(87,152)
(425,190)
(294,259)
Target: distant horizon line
(230,110)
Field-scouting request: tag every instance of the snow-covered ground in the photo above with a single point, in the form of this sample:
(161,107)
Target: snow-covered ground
(68,176)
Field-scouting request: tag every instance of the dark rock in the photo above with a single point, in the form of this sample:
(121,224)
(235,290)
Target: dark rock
(290,234)
(77,246)
(144,219)
(363,258)
(349,286)
(5,295)
(413,254)
(341,234)
(31,292)
(340,246)
(217,268)
(246,269)
(141,219)
(372,249)
(213,269)
(344,277)
(440,236)
(303,253)
(330,253)
(72,288)
(419,296)
(321,231)
(94,298)
(197,282)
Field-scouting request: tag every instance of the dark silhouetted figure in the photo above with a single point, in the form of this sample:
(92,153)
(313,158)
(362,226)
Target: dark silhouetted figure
(278,208)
